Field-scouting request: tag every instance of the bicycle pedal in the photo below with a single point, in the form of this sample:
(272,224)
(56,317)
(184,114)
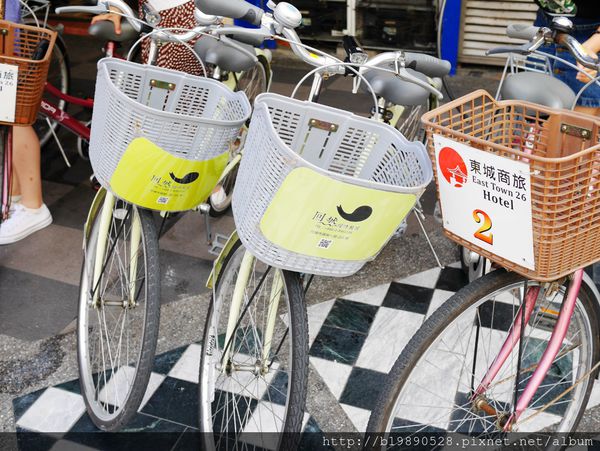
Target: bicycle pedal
(218,243)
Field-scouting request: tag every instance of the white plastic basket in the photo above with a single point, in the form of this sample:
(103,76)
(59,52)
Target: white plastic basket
(311,173)
(185,118)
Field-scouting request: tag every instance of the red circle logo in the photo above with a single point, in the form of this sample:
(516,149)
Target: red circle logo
(453,167)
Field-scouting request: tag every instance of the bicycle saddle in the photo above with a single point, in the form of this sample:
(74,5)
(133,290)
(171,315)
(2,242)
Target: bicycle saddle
(105,31)
(535,87)
(224,56)
(394,90)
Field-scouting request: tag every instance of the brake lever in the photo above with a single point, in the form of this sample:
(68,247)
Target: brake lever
(407,76)
(519,49)
(523,49)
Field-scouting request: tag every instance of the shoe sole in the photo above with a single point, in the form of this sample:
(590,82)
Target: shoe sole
(28,232)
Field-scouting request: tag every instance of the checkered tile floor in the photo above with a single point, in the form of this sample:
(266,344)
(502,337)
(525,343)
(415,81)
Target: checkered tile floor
(354,342)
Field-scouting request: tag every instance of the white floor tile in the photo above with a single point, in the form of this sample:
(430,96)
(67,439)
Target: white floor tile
(595,395)
(115,391)
(426,279)
(334,374)
(67,445)
(188,365)
(358,416)
(316,317)
(55,410)
(390,332)
(372,296)
(153,384)
(438,298)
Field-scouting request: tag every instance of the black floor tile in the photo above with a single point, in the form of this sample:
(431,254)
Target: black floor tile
(71,386)
(175,400)
(362,388)
(22,403)
(452,279)
(355,316)
(164,363)
(410,298)
(27,441)
(497,315)
(140,423)
(338,345)
(278,388)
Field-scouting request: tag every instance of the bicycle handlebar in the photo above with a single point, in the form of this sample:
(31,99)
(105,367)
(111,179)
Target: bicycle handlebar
(281,22)
(537,36)
(103,7)
(235,9)
(427,64)
(577,50)
(520,31)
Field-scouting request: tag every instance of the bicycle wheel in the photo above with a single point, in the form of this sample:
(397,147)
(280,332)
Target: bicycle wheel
(252,82)
(248,394)
(409,121)
(119,309)
(473,265)
(59,76)
(430,387)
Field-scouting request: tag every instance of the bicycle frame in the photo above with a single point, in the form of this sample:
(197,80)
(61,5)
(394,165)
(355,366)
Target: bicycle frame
(558,335)
(62,117)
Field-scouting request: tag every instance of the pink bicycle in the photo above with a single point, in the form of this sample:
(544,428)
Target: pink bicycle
(518,349)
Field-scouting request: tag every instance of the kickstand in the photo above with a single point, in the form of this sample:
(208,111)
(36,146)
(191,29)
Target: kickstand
(58,143)
(420,216)
(215,242)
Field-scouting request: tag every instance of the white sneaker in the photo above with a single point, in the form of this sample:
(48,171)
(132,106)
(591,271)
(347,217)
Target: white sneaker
(14,200)
(22,222)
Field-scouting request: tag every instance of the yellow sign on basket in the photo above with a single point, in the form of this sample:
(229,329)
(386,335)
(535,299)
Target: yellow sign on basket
(314,215)
(153,178)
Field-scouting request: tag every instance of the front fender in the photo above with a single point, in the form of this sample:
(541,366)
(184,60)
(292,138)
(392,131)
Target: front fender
(213,277)
(96,205)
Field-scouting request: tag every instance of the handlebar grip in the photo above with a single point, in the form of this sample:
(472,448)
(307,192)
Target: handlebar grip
(81,9)
(427,64)
(520,31)
(235,9)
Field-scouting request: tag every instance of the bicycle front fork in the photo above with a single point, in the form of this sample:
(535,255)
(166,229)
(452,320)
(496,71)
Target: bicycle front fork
(237,302)
(558,335)
(103,242)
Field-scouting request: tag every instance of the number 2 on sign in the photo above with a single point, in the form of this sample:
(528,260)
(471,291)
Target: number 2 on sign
(485,227)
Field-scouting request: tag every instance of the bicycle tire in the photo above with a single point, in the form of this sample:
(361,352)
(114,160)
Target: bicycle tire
(59,75)
(102,385)
(296,365)
(383,416)
(220,202)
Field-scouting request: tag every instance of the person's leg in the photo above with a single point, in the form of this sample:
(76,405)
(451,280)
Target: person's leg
(26,166)
(30,214)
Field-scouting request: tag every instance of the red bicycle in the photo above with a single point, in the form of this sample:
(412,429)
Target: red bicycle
(53,113)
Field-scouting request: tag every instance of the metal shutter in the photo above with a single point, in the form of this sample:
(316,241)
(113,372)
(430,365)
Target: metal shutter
(483,26)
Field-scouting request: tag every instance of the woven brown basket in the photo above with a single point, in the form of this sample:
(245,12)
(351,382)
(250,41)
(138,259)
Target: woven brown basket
(18,44)
(565,173)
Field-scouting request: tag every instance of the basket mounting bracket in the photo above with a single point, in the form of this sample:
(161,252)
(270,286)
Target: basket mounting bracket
(574,130)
